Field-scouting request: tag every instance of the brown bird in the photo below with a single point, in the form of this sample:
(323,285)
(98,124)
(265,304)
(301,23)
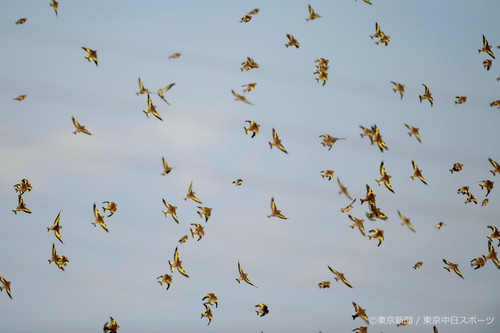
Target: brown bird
(57,228)
(79,128)
(486,48)
(398,88)
(406,221)
(21,206)
(177,263)
(174,55)
(240,97)
(111,207)
(478,262)
(413,131)
(487,63)
(166,278)
(496,166)
(328,174)
(91,55)
(370,196)
(492,254)
(263,310)
(204,212)
(377,233)
(166,168)
(292,41)
(161,92)
(248,64)
(495,233)
(349,207)
(312,14)
(211,299)
(171,210)
(343,189)
(243,276)
(192,195)
(54,4)
(22,20)
(142,89)
(277,142)
(418,265)
(5,285)
(360,312)
(111,326)
(99,219)
(339,276)
(427,95)
(252,127)
(385,178)
(275,211)
(456,167)
(417,173)
(20,97)
(207,313)
(324,284)
(460,99)
(249,87)
(358,223)
(151,109)
(329,141)
(452,267)
(488,185)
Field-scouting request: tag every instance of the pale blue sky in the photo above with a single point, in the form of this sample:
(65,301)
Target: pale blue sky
(432,42)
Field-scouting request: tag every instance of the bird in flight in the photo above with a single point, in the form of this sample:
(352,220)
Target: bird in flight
(252,127)
(240,97)
(111,326)
(312,14)
(161,92)
(460,99)
(488,185)
(275,211)
(349,207)
(79,128)
(20,97)
(292,41)
(191,194)
(398,87)
(111,207)
(171,210)
(166,278)
(496,166)
(174,55)
(385,178)
(406,221)
(329,141)
(486,48)
(263,310)
(248,64)
(91,55)
(198,230)
(204,212)
(166,168)
(427,95)
(249,87)
(277,142)
(456,167)
(418,265)
(21,206)
(60,261)
(359,223)
(328,174)
(151,109)
(243,276)
(5,285)
(99,219)
(340,276)
(211,299)
(23,187)
(207,313)
(417,173)
(360,312)
(414,131)
(452,267)
(343,189)
(22,20)
(377,233)
(177,263)
(56,227)
(54,4)
(142,89)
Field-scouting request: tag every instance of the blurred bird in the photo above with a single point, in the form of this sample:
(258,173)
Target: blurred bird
(486,48)
(456,167)
(183,239)
(177,263)
(204,212)
(403,323)
(23,187)
(238,182)
(427,95)
(99,219)
(343,189)
(60,261)
(406,221)
(211,299)
(5,285)
(79,128)
(452,267)
(413,131)
(399,88)
(478,262)
(191,194)
(57,228)
(328,174)
(174,56)
(249,87)
(161,92)
(21,206)
(358,223)
(348,208)
(484,202)
(339,276)
(377,233)
(329,141)
(166,168)
(385,178)
(375,212)
(360,312)
(460,99)
(248,16)
(111,207)
(263,310)
(275,211)
(252,127)
(487,63)
(240,97)
(370,196)
(361,329)
(166,278)
(151,109)
(277,142)
(292,41)
(20,97)
(312,14)
(207,313)
(495,233)
(243,276)
(198,230)
(171,210)
(492,254)
(249,64)
(418,265)
(142,89)
(368,2)
(488,185)
(324,284)
(417,173)
(111,326)
(496,166)
(439,225)
(495,103)
(91,55)
(22,20)
(54,4)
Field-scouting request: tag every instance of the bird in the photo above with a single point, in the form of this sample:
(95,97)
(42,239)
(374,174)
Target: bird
(183,239)
(495,103)
(487,63)
(492,254)
(111,326)
(161,92)
(79,128)
(361,329)
(22,20)
(385,178)
(343,189)
(486,48)
(240,97)
(368,2)
(277,142)
(243,276)
(406,221)
(328,174)
(275,211)
(99,219)
(5,285)
(418,265)
(377,233)
(488,185)
(248,16)
(249,87)
(91,55)
(248,64)
(375,212)
(456,167)
(360,312)
(177,263)
(398,87)
(460,99)
(252,127)
(312,14)
(439,225)
(370,196)
(495,233)
(452,267)
(54,4)
(417,173)
(211,299)
(349,207)
(57,228)
(111,207)
(496,166)
(478,262)
(207,313)
(171,210)
(329,141)
(166,168)
(414,131)
(292,41)
(357,223)
(20,97)
(174,55)
(262,309)
(238,182)
(484,202)
(165,278)
(60,261)
(191,194)
(23,187)
(142,89)
(403,323)
(324,284)
(198,230)
(340,276)
(427,95)
(205,212)
(151,109)
(21,206)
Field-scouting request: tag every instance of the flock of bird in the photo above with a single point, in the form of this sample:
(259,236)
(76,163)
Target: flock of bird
(198,230)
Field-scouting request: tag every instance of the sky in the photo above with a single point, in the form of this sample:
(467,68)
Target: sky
(114,274)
